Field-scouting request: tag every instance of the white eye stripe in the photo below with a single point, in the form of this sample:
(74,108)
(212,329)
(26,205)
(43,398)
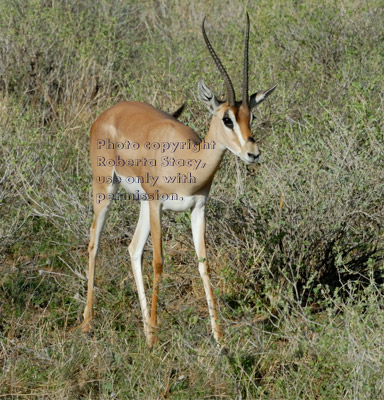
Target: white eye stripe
(236,128)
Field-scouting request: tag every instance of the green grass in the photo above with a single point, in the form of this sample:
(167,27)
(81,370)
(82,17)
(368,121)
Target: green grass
(295,245)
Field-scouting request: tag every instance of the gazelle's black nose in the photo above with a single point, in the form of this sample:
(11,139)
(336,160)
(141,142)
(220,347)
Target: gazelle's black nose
(253,157)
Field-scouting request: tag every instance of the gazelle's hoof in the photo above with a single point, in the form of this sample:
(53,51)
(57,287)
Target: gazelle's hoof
(152,340)
(151,336)
(86,326)
(222,350)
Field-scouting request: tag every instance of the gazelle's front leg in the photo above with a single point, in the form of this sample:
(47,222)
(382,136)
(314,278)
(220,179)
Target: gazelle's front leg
(155,222)
(136,248)
(198,232)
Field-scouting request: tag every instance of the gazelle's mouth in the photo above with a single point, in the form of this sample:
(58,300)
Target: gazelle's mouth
(250,158)
(253,158)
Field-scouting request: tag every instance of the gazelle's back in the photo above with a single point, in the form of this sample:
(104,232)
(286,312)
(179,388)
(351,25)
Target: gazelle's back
(138,122)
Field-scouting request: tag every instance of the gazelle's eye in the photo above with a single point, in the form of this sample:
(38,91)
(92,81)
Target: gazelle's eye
(228,122)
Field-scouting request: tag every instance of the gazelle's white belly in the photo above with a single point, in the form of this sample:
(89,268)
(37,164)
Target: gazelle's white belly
(183,203)
(173,201)
(131,185)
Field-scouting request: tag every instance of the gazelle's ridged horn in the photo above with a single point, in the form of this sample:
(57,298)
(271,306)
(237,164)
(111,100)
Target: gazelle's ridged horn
(228,83)
(245,100)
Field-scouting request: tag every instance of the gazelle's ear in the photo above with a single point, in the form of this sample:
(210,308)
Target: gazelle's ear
(207,97)
(258,97)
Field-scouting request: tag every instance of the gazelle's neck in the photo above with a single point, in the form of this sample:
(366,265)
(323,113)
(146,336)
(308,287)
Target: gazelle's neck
(211,153)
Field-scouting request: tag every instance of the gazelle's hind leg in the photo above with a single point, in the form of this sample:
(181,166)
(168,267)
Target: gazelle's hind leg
(198,232)
(136,248)
(101,210)
(157,263)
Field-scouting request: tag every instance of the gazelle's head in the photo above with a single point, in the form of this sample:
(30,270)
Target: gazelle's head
(233,118)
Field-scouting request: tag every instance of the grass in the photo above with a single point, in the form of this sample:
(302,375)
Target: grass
(295,245)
